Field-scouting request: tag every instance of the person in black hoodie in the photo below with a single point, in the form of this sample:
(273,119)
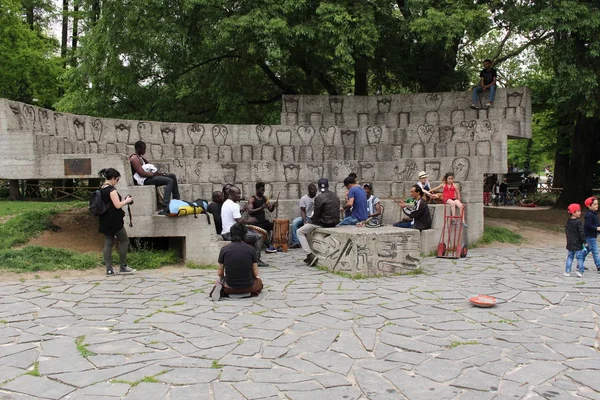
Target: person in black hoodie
(591,227)
(576,243)
(326,214)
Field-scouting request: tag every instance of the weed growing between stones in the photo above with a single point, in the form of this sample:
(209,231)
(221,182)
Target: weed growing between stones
(35,371)
(193,265)
(216,365)
(82,347)
(146,379)
(456,344)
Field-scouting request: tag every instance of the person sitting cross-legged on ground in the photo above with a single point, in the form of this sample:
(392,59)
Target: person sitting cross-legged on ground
(230,214)
(256,209)
(487,83)
(357,200)
(307,203)
(373,205)
(238,266)
(145,177)
(451,195)
(326,214)
(420,216)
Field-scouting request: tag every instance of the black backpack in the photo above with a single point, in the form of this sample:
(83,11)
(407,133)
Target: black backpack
(96,205)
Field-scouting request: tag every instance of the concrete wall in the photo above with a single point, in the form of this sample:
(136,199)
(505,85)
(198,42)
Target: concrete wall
(387,140)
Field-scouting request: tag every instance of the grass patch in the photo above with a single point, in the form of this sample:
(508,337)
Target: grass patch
(18,207)
(456,344)
(493,234)
(35,371)
(147,379)
(21,228)
(35,258)
(149,259)
(82,347)
(193,265)
(216,365)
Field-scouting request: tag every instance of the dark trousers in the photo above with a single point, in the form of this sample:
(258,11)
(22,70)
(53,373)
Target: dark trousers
(123,241)
(252,238)
(169,181)
(254,289)
(267,226)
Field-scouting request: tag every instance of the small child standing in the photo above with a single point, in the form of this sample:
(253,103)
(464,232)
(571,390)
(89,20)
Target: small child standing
(575,240)
(591,226)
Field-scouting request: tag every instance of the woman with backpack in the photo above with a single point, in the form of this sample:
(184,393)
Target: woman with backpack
(112,221)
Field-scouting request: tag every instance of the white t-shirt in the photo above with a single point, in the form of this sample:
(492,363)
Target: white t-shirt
(229,212)
(309,203)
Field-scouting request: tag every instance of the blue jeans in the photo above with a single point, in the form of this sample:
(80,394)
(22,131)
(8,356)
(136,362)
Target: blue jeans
(478,89)
(349,221)
(580,256)
(297,223)
(593,248)
(404,224)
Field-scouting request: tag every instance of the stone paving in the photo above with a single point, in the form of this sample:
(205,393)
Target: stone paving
(310,335)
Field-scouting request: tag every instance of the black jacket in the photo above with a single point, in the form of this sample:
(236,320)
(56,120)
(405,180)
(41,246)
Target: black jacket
(575,236)
(327,210)
(420,214)
(590,227)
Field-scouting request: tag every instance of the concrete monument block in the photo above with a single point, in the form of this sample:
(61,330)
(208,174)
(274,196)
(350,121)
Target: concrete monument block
(367,252)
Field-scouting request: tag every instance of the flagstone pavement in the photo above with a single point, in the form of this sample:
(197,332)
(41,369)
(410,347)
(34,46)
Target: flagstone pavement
(310,334)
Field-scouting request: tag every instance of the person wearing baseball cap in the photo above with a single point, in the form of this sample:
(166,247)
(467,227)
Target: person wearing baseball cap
(591,226)
(576,243)
(326,214)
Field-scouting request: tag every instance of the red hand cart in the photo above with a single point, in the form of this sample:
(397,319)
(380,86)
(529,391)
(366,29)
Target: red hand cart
(451,243)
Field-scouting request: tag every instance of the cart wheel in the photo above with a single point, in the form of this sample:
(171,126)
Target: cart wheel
(463,252)
(441,250)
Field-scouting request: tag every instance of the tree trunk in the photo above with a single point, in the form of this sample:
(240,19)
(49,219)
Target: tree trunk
(29,16)
(65,32)
(13,190)
(584,156)
(95,11)
(361,80)
(75,33)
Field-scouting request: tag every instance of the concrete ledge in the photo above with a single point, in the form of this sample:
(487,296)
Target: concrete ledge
(367,251)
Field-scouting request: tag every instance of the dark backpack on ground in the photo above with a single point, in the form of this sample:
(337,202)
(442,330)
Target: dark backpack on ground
(96,205)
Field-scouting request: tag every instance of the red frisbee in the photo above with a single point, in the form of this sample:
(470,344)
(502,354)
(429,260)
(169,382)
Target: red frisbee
(482,300)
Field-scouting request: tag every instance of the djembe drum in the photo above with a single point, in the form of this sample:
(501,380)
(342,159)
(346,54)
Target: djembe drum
(281,233)
(258,230)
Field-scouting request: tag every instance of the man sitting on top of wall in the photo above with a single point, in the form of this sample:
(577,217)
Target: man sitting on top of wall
(145,173)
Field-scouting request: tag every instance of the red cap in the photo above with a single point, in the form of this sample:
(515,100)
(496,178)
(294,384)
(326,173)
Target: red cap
(573,207)
(588,202)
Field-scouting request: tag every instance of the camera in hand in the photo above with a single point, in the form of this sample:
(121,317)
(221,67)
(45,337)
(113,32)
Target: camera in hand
(131,199)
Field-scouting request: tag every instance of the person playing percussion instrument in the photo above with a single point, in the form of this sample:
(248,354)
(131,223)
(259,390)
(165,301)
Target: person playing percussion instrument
(256,209)
(326,214)
(238,267)
(307,203)
(230,214)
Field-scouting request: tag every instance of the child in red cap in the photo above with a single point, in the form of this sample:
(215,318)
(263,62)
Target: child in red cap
(591,226)
(576,243)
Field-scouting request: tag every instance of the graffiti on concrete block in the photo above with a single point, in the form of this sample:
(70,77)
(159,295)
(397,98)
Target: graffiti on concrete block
(195,132)
(219,133)
(374,134)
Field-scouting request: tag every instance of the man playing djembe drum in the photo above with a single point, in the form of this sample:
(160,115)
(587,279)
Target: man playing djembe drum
(256,209)
(230,214)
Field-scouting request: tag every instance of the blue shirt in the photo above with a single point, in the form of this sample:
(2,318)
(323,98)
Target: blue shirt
(359,207)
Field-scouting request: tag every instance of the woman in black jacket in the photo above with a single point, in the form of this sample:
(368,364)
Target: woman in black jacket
(111,222)
(421,219)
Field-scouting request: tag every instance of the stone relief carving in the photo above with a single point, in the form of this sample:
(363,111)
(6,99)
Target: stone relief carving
(195,132)
(348,137)
(291,172)
(328,135)
(374,134)
(229,172)
(514,99)
(461,166)
(306,134)
(291,104)
(317,171)
(406,172)
(97,128)
(287,154)
(305,154)
(427,133)
(284,137)
(367,172)
(225,153)
(433,100)
(79,127)
(433,169)
(336,105)
(168,134)
(264,134)
(145,133)
(44,121)
(219,133)
(383,105)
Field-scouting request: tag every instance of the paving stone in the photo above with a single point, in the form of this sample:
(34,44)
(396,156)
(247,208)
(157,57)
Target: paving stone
(64,364)
(345,392)
(535,373)
(30,385)
(331,361)
(474,379)
(375,387)
(101,389)
(587,378)
(233,374)
(148,391)
(440,370)
(419,388)
(188,376)
(192,392)
(256,390)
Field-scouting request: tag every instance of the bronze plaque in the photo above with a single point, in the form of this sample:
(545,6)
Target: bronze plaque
(78,166)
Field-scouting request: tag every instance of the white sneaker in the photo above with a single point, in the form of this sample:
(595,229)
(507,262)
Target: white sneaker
(487,105)
(566,274)
(579,274)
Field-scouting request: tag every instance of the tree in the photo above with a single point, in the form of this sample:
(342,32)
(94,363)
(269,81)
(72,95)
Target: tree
(29,70)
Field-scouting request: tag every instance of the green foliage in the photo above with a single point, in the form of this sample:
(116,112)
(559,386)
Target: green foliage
(18,207)
(193,265)
(21,228)
(29,69)
(149,259)
(35,371)
(35,258)
(493,234)
(82,347)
